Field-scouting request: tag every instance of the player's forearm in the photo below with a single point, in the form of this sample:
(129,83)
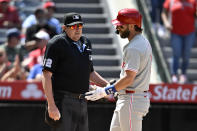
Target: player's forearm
(47,85)
(97,79)
(123,83)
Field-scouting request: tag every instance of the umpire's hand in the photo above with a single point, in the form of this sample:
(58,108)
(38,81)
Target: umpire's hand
(54,112)
(96,94)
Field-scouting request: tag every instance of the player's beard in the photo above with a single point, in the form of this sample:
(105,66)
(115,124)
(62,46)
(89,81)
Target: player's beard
(125,34)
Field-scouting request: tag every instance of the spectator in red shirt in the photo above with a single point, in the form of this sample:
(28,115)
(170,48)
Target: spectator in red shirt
(51,20)
(8,15)
(179,17)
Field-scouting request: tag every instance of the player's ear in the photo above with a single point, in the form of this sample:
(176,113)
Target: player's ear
(131,27)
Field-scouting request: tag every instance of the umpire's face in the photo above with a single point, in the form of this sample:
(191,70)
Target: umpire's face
(74,31)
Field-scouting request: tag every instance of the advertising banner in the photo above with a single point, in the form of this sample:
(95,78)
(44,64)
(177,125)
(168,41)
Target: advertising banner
(158,93)
(21,90)
(173,93)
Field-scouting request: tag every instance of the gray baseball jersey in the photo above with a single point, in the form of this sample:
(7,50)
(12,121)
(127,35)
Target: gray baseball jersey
(132,107)
(137,57)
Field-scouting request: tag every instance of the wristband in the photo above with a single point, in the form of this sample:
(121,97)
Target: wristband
(110,89)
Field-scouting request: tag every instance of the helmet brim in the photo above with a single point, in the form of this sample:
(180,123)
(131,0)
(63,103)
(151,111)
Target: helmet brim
(117,22)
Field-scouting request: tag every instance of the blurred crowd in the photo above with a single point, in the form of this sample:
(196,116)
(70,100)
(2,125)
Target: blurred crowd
(22,52)
(175,20)
(27,35)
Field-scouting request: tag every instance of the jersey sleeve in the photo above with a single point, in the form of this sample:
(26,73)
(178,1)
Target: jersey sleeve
(51,57)
(132,59)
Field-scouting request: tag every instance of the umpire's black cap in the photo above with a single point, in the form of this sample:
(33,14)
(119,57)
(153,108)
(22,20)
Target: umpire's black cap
(72,19)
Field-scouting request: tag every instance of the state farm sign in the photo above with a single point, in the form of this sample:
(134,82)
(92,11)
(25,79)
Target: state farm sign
(5,91)
(160,93)
(173,93)
(21,90)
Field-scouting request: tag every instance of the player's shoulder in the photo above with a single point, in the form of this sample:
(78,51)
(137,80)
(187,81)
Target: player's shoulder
(140,40)
(139,43)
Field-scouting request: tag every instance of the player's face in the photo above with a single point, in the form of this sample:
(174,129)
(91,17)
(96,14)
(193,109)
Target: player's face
(123,31)
(74,31)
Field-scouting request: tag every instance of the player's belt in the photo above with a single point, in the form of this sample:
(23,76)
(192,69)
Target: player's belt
(127,92)
(72,95)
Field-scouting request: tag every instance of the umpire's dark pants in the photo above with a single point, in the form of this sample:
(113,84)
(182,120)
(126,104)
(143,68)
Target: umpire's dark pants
(74,115)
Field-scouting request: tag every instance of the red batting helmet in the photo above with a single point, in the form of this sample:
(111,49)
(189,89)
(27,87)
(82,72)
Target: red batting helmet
(128,16)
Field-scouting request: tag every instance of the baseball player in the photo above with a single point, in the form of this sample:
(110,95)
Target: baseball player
(132,87)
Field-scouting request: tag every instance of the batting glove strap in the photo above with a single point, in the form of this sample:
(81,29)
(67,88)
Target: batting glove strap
(110,89)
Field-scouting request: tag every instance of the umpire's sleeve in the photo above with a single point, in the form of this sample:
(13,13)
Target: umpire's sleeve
(51,57)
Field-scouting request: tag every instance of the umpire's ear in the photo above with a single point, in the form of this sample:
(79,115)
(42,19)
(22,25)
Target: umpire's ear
(63,27)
